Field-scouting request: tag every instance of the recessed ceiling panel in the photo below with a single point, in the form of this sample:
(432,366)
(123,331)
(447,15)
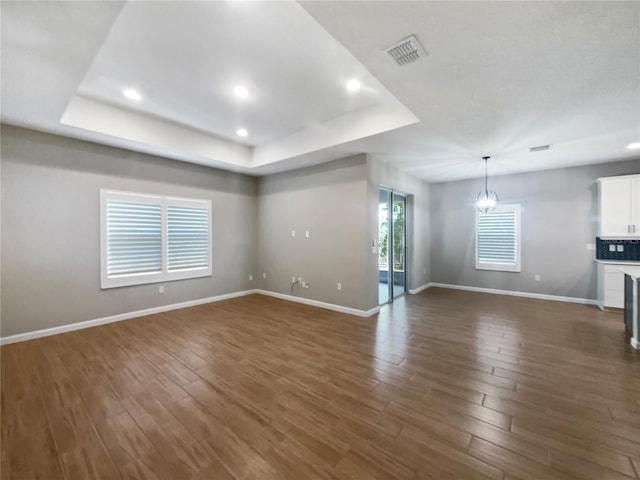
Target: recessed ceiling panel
(185,58)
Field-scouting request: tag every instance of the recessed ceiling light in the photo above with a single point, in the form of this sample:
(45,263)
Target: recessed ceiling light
(241,91)
(242,132)
(353,85)
(131,94)
(633,146)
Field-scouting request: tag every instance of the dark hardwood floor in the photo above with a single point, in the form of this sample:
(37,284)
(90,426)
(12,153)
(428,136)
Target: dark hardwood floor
(441,385)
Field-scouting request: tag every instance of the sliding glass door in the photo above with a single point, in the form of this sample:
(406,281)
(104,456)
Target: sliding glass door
(384,270)
(392,251)
(399,245)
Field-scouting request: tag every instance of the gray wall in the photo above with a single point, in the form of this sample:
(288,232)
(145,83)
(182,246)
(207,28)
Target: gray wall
(418,233)
(558,221)
(329,200)
(50,228)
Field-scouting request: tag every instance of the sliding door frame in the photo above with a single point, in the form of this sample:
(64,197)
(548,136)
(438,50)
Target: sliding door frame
(408,222)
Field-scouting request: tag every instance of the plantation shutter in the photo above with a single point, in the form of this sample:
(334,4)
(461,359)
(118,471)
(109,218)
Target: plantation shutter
(188,237)
(148,238)
(134,238)
(498,237)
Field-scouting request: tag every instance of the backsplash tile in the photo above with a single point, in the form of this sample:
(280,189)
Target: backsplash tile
(625,250)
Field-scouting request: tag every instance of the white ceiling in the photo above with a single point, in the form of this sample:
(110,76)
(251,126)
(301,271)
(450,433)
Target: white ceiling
(499,78)
(187,61)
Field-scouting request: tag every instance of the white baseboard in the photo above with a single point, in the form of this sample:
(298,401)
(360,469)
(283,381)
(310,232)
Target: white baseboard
(317,303)
(21,337)
(539,296)
(413,291)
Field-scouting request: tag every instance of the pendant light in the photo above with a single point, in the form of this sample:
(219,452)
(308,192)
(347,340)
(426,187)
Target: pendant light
(486,200)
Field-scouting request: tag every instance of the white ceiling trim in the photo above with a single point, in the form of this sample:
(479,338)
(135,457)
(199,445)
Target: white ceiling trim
(347,128)
(144,129)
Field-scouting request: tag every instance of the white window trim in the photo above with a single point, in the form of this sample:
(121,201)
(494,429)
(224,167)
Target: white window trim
(147,278)
(501,267)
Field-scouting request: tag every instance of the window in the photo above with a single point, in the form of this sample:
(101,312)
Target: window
(153,238)
(498,239)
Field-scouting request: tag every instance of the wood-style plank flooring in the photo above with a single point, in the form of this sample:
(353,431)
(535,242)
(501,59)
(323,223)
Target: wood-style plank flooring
(441,385)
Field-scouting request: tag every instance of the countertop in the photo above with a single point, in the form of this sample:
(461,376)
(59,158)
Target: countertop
(618,262)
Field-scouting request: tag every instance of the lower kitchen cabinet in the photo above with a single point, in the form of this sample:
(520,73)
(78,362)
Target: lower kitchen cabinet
(611,282)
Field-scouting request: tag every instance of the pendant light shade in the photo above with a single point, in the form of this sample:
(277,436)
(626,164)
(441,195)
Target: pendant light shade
(486,200)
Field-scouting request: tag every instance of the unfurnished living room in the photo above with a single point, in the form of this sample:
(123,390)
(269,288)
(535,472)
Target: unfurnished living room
(320,240)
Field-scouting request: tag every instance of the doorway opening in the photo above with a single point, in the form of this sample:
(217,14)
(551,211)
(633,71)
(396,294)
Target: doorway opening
(392,245)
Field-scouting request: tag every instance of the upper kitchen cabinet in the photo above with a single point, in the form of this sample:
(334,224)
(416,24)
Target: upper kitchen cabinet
(620,206)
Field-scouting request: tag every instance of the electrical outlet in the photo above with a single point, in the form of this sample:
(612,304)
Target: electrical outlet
(339,286)
(293,233)
(293,279)
(538,278)
(161,289)
(264,275)
(620,248)
(307,233)
(250,277)
(591,246)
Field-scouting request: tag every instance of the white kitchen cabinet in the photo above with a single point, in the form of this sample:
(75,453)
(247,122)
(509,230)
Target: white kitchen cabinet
(620,206)
(611,282)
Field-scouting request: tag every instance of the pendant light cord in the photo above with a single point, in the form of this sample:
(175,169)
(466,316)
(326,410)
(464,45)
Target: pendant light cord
(486,187)
(486,174)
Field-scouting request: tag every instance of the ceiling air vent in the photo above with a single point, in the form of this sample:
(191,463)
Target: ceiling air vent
(540,148)
(405,52)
